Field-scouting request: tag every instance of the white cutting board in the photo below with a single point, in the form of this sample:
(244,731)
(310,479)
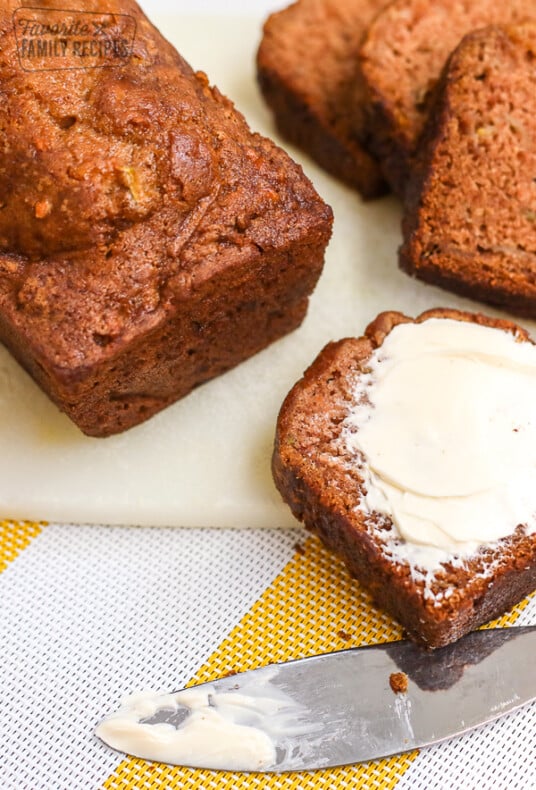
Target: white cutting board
(206,460)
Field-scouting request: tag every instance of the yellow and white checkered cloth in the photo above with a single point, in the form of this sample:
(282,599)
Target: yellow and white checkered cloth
(89,614)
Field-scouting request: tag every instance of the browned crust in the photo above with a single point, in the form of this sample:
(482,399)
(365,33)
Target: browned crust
(322,495)
(383,136)
(378,329)
(298,122)
(234,315)
(384,131)
(446,265)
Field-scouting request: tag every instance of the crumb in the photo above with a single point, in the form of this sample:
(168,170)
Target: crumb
(399,682)
(230,673)
(42,209)
(298,548)
(343,635)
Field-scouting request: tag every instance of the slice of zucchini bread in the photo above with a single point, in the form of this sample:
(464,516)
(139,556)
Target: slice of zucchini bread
(402,57)
(308,73)
(470,216)
(392,449)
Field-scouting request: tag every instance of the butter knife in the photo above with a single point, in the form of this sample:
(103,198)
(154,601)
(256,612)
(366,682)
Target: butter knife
(335,709)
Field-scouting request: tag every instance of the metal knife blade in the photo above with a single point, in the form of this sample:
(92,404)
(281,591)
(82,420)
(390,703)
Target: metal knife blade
(333,709)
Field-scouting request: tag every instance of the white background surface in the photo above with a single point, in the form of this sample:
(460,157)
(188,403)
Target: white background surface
(155,8)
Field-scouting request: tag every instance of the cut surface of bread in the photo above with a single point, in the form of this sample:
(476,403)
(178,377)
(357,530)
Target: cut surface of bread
(149,240)
(308,74)
(470,215)
(402,58)
(322,478)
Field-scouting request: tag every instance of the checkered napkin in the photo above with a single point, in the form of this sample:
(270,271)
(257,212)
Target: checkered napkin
(89,614)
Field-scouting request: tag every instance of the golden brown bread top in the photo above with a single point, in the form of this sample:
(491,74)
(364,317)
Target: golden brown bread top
(87,150)
(124,188)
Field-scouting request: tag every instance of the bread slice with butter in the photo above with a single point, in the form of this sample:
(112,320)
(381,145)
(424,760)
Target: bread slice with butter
(409,451)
